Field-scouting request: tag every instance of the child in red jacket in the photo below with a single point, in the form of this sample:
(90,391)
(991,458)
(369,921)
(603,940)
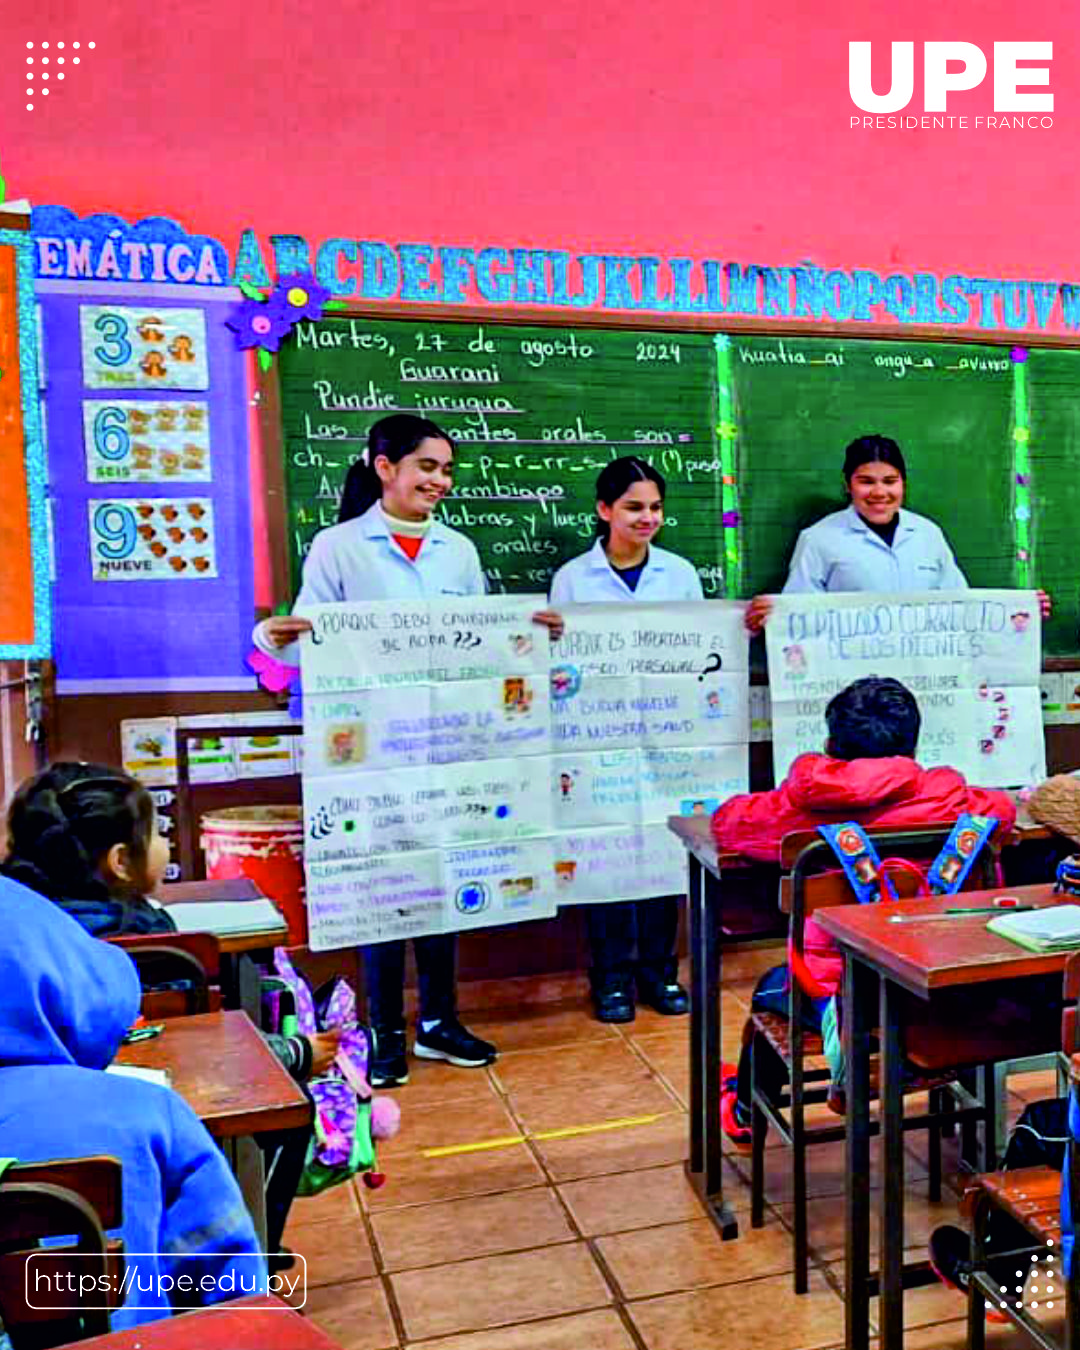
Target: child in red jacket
(868,774)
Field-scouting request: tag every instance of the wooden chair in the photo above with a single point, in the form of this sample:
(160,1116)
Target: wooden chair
(812,880)
(1032,1197)
(190,960)
(76,1198)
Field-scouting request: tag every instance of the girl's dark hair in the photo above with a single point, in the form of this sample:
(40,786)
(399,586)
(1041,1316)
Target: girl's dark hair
(395,437)
(618,477)
(62,822)
(873,449)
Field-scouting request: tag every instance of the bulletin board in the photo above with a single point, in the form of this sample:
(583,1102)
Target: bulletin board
(25,619)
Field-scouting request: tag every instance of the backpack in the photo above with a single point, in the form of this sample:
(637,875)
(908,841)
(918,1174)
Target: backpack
(868,876)
(342,1144)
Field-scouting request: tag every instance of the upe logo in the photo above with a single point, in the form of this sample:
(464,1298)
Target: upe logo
(969,66)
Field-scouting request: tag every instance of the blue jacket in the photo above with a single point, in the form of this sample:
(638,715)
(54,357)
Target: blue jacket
(67,1000)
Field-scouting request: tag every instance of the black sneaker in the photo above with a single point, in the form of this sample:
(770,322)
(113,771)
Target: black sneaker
(664,993)
(950,1258)
(450,1041)
(387,1066)
(613,998)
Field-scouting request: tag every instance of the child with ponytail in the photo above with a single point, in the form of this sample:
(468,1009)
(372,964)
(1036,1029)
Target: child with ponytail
(388,545)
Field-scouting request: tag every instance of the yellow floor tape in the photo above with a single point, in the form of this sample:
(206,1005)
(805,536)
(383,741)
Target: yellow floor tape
(508,1140)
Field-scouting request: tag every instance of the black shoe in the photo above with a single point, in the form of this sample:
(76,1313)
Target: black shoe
(450,1041)
(282,1259)
(664,993)
(950,1256)
(387,1065)
(613,999)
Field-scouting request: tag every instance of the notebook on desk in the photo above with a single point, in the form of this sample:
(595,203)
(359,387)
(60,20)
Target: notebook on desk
(159,1076)
(1056,928)
(227,918)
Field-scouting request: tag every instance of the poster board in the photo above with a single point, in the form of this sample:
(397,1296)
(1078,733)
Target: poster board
(146,405)
(971,658)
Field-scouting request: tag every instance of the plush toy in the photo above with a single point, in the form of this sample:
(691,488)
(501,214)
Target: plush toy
(385,1121)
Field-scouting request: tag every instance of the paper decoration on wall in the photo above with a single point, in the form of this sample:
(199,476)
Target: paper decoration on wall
(133,442)
(151,539)
(124,347)
(261,321)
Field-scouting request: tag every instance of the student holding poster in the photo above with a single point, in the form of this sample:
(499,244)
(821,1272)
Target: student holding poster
(387,545)
(623,566)
(872,545)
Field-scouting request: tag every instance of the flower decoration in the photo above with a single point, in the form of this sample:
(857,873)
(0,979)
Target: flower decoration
(300,296)
(259,323)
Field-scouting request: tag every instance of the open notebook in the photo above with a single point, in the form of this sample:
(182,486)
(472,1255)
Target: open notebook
(227,918)
(1056,928)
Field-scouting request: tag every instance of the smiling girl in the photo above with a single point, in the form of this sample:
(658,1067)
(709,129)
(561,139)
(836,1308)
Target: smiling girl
(388,545)
(876,544)
(625,565)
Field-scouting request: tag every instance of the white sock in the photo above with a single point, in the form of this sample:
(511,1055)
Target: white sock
(429,1024)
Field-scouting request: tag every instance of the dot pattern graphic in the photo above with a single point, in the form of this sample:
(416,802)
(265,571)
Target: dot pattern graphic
(45,60)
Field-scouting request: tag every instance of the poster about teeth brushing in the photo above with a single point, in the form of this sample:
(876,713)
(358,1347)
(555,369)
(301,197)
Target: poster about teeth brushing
(971,658)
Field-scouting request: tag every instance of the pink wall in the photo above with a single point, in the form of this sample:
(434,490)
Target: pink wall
(709,130)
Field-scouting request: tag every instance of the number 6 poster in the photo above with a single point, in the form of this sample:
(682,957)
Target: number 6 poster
(133,442)
(146,348)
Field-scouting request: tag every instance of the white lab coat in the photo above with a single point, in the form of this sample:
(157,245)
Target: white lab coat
(842,553)
(590,577)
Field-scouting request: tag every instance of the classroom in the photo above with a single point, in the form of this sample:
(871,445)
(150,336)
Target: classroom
(481,965)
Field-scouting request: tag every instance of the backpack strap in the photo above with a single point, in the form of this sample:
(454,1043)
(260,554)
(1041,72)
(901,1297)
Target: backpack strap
(966,840)
(859,859)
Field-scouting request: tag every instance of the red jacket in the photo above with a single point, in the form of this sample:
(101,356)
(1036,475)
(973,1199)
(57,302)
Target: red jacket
(892,793)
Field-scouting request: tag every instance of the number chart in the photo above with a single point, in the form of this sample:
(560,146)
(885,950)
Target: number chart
(134,540)
(536,413)
(127,348)
(143,442)
(147,413)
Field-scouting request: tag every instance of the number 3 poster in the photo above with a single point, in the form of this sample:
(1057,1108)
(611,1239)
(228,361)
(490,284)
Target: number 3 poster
(144,348)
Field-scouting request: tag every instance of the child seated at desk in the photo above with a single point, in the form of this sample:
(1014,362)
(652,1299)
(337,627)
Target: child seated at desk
(867,774)
(68,1000)
(85,836)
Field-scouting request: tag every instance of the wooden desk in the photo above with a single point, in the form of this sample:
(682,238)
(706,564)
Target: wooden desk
(225,1072)
(703,899)
(234,1083)
(238,888)
(940,974)
(257,1323)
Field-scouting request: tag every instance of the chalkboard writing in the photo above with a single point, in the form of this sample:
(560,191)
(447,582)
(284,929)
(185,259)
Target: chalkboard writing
(1054,452)
(799,402)
(536,412)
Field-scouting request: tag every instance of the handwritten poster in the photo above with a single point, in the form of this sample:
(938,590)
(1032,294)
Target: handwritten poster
(150,347)
(972,659)
(144,442)
(650,718)
(152,539)
(426,768)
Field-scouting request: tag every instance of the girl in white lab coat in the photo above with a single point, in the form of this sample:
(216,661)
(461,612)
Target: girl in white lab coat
(625,565)
(387,545)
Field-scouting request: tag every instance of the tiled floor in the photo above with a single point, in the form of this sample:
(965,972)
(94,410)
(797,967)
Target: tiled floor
(542,1205)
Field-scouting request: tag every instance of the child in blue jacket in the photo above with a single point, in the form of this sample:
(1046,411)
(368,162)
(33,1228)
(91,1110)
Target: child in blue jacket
(68,1000)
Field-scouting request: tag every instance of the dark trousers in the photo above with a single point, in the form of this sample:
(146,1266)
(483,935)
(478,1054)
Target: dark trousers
(1039,1139)
(384,967)
(615,930)
(771,995)
(284,1155)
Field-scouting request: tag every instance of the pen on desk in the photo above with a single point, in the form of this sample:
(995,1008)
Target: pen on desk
(958,912)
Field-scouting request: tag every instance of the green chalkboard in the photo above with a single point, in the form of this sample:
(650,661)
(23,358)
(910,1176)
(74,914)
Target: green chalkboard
(1053,382)
(536,413)
(800,401)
